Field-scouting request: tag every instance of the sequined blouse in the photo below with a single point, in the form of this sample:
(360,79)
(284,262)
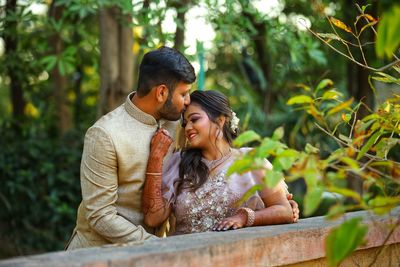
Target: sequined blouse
(215,200)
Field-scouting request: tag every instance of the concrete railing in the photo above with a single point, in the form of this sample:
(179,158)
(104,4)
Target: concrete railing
(300,244)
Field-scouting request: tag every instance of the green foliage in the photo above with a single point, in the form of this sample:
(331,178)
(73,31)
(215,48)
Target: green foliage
(388,39)
(40,188)
(343,240)
(363,152)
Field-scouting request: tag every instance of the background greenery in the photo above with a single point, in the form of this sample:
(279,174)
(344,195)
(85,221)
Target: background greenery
(52,80)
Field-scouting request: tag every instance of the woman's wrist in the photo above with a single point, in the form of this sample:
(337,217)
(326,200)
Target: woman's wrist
(250,215)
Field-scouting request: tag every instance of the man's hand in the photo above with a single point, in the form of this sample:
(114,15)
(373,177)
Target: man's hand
(295,208)
(160,143)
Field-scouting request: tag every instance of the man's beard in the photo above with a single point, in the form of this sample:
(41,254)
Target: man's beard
(169,111)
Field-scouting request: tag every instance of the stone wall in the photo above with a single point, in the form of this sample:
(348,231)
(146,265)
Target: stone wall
(300,244)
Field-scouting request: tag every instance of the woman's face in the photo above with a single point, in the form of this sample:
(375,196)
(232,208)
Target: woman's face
(200,131)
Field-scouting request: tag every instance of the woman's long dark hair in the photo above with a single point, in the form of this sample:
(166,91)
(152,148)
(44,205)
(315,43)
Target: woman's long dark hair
(193,172)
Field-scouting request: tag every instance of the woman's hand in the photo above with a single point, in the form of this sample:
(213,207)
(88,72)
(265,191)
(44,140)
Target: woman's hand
(160,143)
(234,222)
(295,208)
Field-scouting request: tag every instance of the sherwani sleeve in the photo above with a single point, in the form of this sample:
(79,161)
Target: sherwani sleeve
(99,181)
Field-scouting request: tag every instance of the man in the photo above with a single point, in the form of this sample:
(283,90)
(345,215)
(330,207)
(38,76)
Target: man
(116,150)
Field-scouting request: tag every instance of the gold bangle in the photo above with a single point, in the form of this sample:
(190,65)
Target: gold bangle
(251,215)
(154,173)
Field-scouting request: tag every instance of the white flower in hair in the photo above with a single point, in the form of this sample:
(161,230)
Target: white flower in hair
(234,122)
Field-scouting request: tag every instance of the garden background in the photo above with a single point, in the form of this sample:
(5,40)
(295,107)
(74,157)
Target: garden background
(64,63)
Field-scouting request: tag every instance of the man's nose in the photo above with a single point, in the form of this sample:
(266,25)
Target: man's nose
(187,100)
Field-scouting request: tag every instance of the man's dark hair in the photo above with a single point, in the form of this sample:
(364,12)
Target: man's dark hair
(164,66)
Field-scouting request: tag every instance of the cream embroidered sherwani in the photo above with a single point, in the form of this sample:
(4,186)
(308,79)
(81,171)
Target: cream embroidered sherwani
(113,167)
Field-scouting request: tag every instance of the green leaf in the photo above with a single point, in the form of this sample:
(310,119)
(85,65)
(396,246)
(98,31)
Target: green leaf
(245,138)
(268,147)
(311,176)
(278,133)
(345,138)
(345,192)
(341,106)
(382,205)
(311,149)
(386,78)
(385,145)
(272,178)
(331,94)
(61,67)
(364,7)
(365,125)
(241,166)
(49,61)
(249,193)
(353,164)
(343,240)
(323,84)
(368,145)
(285,159)
(329,36)
(388,38)
(335,212)
(312,200)
(300,99)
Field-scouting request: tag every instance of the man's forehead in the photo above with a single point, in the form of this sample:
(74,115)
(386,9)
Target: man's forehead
(183,87)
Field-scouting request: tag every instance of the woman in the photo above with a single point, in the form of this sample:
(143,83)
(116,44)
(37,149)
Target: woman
(193,184)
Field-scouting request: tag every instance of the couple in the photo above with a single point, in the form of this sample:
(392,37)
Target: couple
(119,182)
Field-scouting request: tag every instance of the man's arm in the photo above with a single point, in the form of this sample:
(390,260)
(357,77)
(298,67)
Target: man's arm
(99,181)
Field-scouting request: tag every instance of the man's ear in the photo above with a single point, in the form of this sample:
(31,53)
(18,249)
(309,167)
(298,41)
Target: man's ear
(161,93)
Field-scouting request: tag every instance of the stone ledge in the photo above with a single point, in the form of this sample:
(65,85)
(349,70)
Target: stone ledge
(275,245)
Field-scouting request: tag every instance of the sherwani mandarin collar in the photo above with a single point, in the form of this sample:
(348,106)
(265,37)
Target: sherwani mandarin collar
(140,115)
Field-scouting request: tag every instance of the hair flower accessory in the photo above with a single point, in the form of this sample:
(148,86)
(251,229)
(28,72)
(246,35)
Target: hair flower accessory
(234,122)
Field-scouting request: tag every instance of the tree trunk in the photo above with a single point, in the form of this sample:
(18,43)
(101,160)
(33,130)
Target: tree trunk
(179,37)
(63,111)
(260,43)
(126,63)
(116,60)
(11,46)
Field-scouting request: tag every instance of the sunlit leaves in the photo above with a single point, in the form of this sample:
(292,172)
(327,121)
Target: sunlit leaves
(382,205)
(272,178)
(278,133)
(331,94)
(336,211)
(311,149)
(385,145)
(343,240)
(345,192)
(340,24)
(329,36)
(340,107)
(371,141)
(300,99)
(245,138)
(388,38)
(386,78)
(241,165)
(312,200)
(323,84)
